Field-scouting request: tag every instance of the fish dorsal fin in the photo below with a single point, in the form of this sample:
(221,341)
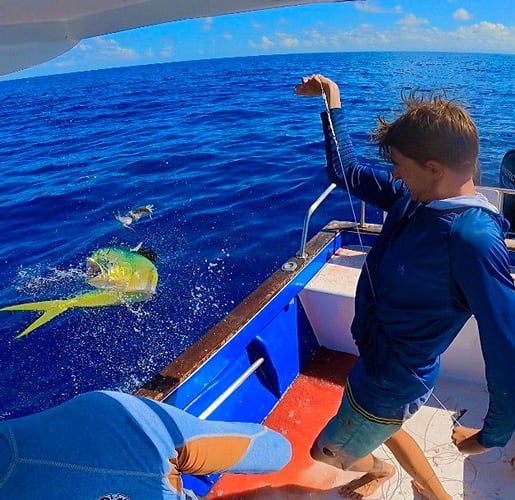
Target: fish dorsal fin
(137,247)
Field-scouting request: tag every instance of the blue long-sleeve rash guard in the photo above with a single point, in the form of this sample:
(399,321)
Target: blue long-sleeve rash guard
(432,267)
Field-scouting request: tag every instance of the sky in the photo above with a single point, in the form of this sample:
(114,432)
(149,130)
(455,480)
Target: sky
(371,25)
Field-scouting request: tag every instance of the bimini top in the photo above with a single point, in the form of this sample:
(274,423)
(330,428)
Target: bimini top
(35,31)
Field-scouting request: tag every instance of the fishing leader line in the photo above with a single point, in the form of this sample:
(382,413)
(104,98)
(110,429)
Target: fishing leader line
(354,216)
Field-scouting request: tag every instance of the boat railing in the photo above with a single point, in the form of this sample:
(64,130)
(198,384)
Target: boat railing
(495,195)
(231,389)
(302,254)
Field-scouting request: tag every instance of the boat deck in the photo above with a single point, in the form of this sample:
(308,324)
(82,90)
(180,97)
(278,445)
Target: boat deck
(312,400)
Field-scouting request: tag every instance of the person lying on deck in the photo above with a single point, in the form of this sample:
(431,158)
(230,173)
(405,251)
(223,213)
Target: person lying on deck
(440,258)
(105,445)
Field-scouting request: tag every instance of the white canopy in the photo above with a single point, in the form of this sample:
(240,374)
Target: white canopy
(35,31)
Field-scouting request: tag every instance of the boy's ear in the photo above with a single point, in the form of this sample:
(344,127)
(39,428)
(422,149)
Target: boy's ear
(435,167)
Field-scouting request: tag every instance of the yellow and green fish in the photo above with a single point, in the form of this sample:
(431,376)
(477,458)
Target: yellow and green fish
(120,276)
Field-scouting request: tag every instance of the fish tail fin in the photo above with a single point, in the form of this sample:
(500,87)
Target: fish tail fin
(50,308)
(44,318)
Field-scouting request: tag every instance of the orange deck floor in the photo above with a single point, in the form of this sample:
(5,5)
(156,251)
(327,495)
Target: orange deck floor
(310,402)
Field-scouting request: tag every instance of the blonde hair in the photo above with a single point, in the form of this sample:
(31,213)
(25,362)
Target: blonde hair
(431,128)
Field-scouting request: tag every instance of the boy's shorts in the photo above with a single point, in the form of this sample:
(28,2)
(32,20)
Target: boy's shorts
(349,435)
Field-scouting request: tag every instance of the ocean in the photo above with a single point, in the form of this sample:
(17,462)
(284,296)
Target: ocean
(229,157)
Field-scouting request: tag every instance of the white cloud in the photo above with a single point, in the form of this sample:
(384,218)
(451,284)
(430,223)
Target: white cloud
(411,21)
(84,46)
(98,51)
(265,43)
(109,48)
(166,51)
(227,36)
(462,15)
(372,8)
(314,38)
(487,32)
(416,34)
(286,40)
(66,63)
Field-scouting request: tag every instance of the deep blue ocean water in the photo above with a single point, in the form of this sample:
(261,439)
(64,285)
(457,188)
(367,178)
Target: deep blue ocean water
(229,157)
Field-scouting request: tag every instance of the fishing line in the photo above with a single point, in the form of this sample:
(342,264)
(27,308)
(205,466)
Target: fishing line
(454,419)
(354,216)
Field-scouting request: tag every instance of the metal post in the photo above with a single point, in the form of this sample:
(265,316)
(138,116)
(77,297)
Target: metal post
(301,254)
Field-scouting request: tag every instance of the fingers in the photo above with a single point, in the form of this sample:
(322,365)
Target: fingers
(315,76)
(466,440)
(314,80)
(456,436)
(310,85)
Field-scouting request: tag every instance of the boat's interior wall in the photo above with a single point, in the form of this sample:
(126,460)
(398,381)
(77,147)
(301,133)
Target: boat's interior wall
(504,202)
(329,299)
(277,341)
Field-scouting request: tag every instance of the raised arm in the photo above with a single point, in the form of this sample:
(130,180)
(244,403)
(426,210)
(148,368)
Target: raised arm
(374,186)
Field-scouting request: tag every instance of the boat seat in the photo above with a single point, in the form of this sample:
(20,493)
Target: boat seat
(328,299)
(492,195)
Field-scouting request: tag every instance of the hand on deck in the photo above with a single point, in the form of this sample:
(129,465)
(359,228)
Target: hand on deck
(313,86)
(465,439)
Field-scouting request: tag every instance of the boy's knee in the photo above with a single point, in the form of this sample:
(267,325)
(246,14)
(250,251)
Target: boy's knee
(331,455)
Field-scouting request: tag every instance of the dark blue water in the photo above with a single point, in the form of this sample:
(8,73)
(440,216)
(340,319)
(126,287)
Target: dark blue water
(230,159)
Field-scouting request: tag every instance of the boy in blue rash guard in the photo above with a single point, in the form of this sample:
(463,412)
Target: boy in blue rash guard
(440,258)
(106,445)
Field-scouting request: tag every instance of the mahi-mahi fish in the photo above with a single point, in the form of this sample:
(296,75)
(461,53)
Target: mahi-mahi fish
(119,275)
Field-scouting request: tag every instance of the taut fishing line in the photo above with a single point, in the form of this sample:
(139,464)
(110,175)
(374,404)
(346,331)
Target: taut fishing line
(354,216)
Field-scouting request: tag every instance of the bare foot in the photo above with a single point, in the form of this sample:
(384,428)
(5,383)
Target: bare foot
(365,485)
